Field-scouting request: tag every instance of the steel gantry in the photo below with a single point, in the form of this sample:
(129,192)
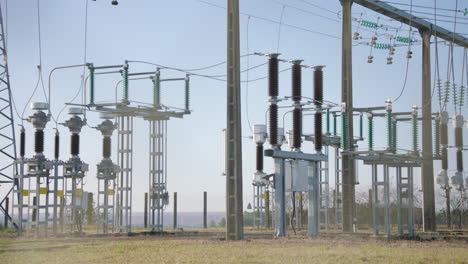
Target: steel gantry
(426,30)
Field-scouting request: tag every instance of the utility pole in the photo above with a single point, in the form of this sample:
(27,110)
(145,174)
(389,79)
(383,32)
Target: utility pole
(347,172)
(429,216)
(234,215)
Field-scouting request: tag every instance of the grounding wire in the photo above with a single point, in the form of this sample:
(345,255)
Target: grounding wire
(279,28)
(40,48)
(215,65)
(317,6)
(81,89)
(305,11)
(274,21)
(39,67)
(196,74)
(29,99)
(407,57)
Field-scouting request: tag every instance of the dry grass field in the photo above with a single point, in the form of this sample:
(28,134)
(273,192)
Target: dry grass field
(209,247)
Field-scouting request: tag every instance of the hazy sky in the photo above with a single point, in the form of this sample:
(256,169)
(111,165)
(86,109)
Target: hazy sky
(192,34)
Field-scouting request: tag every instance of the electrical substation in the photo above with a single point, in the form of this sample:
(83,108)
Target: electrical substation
(307,189)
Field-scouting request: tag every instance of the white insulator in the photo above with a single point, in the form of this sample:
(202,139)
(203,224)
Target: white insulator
(388,104)
(75,111)
(39,106)
(458,121)
(260,134)
(444,117)
(105,115)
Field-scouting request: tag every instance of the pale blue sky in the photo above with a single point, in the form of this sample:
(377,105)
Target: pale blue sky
(192,34)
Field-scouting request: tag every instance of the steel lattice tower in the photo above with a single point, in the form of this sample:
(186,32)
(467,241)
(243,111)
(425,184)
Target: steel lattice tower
(7,127)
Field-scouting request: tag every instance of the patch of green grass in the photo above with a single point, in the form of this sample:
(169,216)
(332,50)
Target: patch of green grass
(182,250)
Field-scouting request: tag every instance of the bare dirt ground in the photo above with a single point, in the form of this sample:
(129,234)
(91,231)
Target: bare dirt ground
(208,246)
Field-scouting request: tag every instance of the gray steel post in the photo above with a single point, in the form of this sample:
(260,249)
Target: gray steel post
(370,206)
(280,198)
(175,211)
(427,174)
(399,201)
(347,97)
(386,201)
(146,211)
(55,209)
(205,218)
(267,209)
(410,202)
(7,208)
(234,207)
(313,195)
(375,201)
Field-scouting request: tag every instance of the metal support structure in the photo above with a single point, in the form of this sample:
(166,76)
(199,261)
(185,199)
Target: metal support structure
(381,202)
(324,192)
(405,205)
(158,194)
(347,168)
(407,18)
(280,198)
(205,210)
(174,222)
(7,132)
(124,181)
(313,195)
(234,207)
(106,175)
(259,205)
(427,173)
(337,200)
(74,170)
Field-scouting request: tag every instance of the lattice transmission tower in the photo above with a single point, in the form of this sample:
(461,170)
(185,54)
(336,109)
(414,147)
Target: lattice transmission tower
(7,129)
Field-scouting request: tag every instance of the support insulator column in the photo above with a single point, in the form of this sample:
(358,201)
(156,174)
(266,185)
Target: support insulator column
(125,82)
(91,83)
(414,121)
(75,144)
(259,157)
(56,145)
(388,116)
(22,142)
(296,95)
(370,130)
(437,136)
(318,101)
(273,92)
